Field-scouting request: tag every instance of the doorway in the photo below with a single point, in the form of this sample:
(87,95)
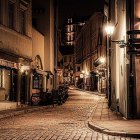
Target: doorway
(23,92)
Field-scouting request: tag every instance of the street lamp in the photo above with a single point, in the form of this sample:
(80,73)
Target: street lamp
(110,30)
(102,60)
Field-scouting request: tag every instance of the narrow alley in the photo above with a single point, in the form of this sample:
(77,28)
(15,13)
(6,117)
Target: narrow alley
(68,121)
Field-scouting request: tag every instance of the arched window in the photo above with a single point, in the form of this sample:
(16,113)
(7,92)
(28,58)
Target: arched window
(38,62)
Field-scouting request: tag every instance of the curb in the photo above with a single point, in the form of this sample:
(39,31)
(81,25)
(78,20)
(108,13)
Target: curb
(110,132)
(12,113)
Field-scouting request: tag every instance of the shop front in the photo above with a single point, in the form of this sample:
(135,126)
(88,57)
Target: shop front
(39,81)
(8,80)
(14,80)
(99,76)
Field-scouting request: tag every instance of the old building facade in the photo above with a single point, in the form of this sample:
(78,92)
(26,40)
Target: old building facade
(90,55)
(43,12)
(124,63)
(15,39)
(26,53)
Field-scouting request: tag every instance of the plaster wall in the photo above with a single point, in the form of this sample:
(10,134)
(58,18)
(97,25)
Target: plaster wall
(12,41)
(118,57)
(38,45)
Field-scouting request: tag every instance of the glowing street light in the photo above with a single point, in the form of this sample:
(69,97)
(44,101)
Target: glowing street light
(102,60)
(83,71)
(109,29)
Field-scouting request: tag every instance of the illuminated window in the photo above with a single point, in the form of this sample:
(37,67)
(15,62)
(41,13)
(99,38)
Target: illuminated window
(70,28)
(37,81)
(69,20)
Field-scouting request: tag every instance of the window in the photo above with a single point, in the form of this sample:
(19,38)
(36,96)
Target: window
(22,21)
(37,81)
(70,28)
(11,15)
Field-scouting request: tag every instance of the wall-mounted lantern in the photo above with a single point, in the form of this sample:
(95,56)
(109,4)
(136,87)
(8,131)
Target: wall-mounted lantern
(110,30)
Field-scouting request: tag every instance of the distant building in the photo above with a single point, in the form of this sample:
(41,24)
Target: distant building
(90,55)
(68,35)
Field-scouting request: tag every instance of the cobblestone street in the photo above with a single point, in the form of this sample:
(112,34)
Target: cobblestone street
(67,122)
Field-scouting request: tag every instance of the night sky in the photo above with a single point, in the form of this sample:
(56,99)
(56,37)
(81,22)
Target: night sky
(78,8)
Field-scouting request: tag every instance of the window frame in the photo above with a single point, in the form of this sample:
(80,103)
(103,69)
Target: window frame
(23,8)
(22,21)
(11,15)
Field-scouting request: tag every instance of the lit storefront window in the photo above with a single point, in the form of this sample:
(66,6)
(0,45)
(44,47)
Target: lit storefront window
(37,81)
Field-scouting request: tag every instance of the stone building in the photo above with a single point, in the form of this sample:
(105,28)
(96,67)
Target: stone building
(26,53)
(15,60)
(125,66)
(43,20)
(90,55)
(70,30)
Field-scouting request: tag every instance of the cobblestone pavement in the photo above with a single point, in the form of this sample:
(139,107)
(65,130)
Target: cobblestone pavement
(65,122)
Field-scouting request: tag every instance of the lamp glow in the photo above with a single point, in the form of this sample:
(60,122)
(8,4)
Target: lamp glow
(109,29)
(83,71)
(102,60)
